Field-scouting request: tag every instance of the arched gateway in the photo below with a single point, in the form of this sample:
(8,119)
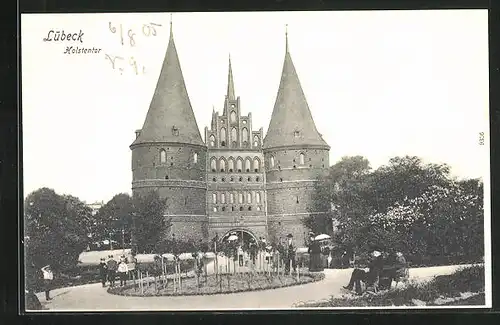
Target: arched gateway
(244,235)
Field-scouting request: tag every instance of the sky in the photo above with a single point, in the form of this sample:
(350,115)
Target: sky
(379,84)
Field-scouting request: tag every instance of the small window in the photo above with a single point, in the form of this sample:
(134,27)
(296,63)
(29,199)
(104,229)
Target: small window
(281,179)
(233,116)
(279,167)
(215,209)
(214,179)
(249,197)
(212,140)
(222,164)
(257,197)
(258,208)
(271,161)
(171,164)
(294,166)
(223,143)
(302,159)
(257,178)
(249,208)
(223,198)
(232,208)
(195,158)
(163,156)
(241,179)
(214,198)
(297,199)
(296,134)
(166,176)
(239,166)
(323,166)
(249,179)
(231,165)
(241,208)
(175,131)
(231,198)
(223,179)
(231,179)
(240,198)
(223,208)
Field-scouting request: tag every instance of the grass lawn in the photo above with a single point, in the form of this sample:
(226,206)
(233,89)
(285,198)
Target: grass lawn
(464,287)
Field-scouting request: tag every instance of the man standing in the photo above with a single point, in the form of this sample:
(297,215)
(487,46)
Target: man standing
(123,272)
(103,272)
(112,267)
(290,254)
(48,276)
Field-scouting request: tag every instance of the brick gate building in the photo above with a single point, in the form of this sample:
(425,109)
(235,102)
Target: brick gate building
(235,179)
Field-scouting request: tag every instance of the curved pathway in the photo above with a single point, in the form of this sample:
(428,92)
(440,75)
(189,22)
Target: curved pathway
(92,297)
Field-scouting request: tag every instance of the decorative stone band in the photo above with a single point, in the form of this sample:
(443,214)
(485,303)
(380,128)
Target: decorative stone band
(235,186)
(187,217)
(168,183)
(291,184)
(245,224)
(290,217)
(295,147)
(175,144)
(224,219)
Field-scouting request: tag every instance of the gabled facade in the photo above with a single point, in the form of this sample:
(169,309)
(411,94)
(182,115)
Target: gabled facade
(235,180)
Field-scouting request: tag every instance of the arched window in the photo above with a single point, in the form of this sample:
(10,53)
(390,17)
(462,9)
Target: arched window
(231,165)
(233,117)
(247,164)
(222,164)
(302,158)
(244,134)
(249,197)
(195,158)
(297,199)
(240,198)
(257,197)
(256,165)
(212,140)
(214,198)
(234,135)
(163,156)
(223,136)
(231,198)
(213,164)
(222,198)
(256,141)
(239,165)
(271,161)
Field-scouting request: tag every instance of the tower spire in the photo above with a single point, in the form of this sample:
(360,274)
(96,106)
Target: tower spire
(286,38)
(230,82)
(171,31)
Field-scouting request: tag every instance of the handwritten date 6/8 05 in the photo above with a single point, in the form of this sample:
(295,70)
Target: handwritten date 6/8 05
(481,138)
(147,30)
(119,63)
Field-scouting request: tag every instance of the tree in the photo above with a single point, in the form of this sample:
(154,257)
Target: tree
(148,221)
(345,192)
(406,177)
(444,224)
(56,229)
(114,217)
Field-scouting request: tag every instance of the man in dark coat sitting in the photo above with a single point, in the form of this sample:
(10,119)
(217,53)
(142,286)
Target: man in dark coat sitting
(375,266)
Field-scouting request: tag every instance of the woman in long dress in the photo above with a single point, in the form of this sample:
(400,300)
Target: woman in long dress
(314,256)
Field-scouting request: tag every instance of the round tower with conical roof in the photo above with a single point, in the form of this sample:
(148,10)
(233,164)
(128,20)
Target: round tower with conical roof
(295,156)
(169,155)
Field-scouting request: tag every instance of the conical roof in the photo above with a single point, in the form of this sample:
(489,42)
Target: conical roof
(291,122)
(170,117)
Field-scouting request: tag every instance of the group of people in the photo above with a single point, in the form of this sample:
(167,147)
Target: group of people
(382,270)
(109,269)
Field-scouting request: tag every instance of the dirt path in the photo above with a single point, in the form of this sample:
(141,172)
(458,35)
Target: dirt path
(92,297)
